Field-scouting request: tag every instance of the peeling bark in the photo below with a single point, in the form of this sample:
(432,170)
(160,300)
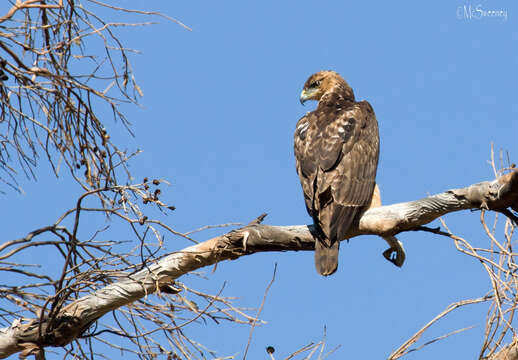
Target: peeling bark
(385,221)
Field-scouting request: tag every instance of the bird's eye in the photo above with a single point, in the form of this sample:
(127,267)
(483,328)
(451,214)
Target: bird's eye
(315,84)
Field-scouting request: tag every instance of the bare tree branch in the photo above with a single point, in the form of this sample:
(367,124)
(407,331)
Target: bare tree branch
(75,318)
(66,66)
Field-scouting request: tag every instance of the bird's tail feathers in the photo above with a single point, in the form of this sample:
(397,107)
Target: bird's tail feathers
(326,257)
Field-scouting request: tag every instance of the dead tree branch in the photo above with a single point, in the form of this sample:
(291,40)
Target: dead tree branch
(62,67)
(76,317)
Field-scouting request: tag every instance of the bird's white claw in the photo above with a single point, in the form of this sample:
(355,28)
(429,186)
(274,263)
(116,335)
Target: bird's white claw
(396,253)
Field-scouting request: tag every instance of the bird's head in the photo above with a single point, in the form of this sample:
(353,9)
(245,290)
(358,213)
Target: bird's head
(324,82)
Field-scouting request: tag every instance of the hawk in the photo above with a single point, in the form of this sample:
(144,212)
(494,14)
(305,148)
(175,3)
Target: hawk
(336,152)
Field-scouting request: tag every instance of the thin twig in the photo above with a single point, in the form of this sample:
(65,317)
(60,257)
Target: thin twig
(254,322)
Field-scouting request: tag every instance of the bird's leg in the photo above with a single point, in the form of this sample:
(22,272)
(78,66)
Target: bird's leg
(396,253)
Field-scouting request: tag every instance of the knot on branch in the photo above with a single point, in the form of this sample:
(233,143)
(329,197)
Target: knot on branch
(65,329)
(236,243)
(499,194)
(57,332)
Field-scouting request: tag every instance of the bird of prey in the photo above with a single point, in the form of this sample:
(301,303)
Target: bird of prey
(336,151)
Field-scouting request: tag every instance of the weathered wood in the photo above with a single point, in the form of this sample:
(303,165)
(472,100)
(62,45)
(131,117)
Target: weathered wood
(385,221)
(508,352)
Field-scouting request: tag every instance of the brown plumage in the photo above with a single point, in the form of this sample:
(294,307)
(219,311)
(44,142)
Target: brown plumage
(336,151)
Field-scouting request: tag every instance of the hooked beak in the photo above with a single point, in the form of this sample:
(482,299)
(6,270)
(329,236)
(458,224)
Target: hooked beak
(303,97)
(306,94)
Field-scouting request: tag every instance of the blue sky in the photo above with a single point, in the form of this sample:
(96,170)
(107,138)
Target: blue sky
(217,120)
